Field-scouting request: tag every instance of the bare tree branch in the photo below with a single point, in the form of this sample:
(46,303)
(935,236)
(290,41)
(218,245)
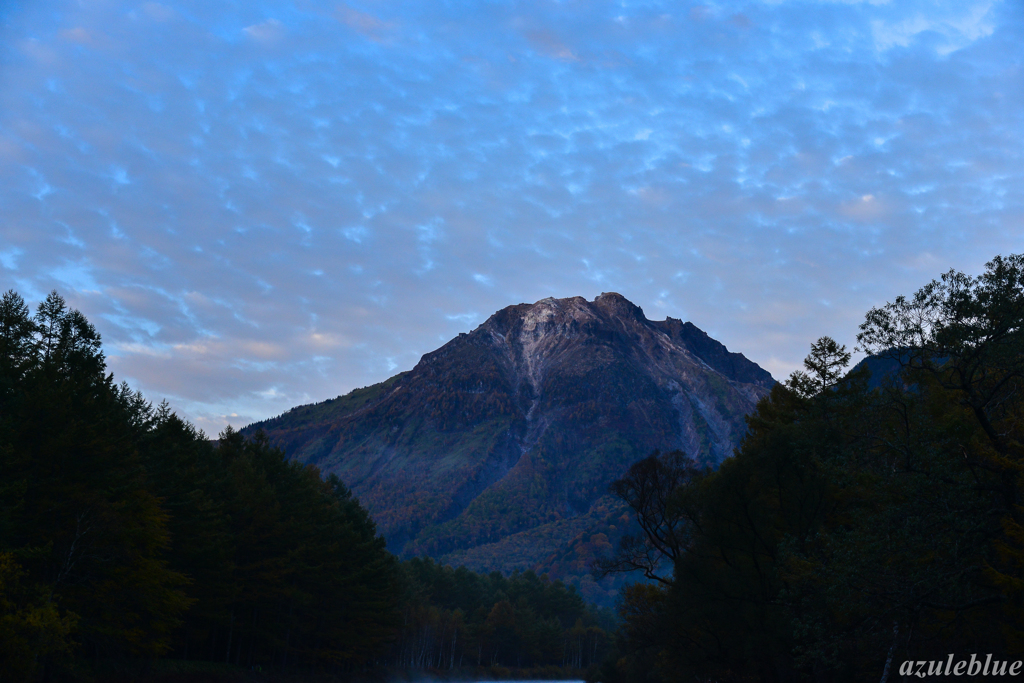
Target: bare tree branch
(650,488)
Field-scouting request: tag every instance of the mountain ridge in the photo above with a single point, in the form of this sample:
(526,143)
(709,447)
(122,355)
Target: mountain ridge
(524,421)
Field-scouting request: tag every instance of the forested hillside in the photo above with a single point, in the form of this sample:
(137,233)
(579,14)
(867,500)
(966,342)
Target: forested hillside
(129,541)
(496,450)
(866,521)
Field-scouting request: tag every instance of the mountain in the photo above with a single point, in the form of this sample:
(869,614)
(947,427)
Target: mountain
(497,449)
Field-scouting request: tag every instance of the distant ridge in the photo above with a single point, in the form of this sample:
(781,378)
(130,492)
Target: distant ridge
(497,449)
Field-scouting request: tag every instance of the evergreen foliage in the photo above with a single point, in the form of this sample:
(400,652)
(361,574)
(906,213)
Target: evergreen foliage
(864,521)
(126,536)
(454,618)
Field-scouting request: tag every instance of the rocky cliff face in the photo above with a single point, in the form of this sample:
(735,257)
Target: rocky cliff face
(515,429)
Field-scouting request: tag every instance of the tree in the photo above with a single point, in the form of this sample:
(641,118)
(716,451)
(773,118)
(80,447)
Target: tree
(965,336)
(125,534)
(968,334)
(861,522)
(77,517)
(17,342)
(825,365)
(650,489)
(32,630)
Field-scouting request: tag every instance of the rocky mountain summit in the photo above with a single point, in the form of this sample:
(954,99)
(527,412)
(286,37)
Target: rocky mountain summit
(497,448)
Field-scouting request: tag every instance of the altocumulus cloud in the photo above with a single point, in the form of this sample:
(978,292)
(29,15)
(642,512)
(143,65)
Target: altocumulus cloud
(262,204)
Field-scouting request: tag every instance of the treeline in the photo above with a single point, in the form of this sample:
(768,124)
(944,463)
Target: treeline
(455,618)
(869,518)
(127,537)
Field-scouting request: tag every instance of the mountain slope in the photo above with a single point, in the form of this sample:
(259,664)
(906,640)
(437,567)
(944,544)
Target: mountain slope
(523,422)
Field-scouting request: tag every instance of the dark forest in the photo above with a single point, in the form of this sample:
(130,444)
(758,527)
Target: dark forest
(869,517)
(128,538)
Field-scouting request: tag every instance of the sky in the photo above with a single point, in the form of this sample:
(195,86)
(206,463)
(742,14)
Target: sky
(264,204)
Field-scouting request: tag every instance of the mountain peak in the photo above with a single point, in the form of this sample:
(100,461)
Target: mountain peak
(615,303)
(541,331)
(525,421)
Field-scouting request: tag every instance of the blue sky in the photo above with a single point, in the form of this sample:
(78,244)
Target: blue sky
(262,204)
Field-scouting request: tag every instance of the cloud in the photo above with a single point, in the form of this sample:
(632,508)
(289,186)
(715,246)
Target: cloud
(864,208)
(40,52)
(9,258)
(954,27)
(546,42)
(365,23)
(158,12)
(251,227)
(77,35)
(269,31)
